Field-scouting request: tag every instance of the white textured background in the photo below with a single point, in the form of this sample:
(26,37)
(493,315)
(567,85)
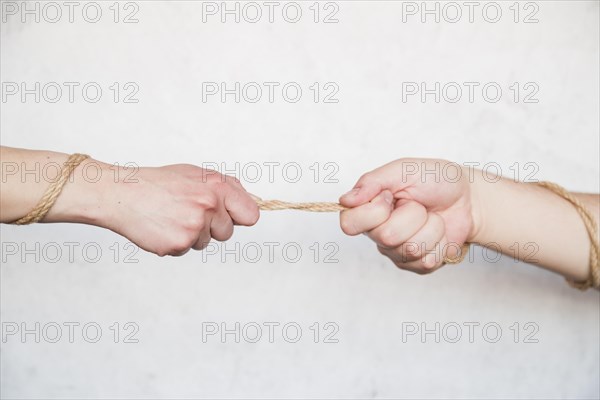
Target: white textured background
(369,53)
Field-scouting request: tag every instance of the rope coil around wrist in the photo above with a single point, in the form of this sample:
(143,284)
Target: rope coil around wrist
(52,192)
(593,279)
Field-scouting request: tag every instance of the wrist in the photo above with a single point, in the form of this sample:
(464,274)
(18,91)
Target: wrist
(82,199)
(478,189)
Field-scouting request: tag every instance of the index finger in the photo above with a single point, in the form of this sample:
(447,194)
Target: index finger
(240,206)
(367,216)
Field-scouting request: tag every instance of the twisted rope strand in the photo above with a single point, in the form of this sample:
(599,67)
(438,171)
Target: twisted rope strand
(273,205)
(464,250)
(52,192)
(592,230)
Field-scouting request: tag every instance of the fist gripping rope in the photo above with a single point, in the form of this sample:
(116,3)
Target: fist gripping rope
(54,190)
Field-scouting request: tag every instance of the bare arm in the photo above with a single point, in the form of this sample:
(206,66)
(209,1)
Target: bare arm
(165,210)
(511,212)
(414,217)
(27,173)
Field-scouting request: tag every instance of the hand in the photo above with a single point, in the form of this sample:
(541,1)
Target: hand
(170,209)
(417,211)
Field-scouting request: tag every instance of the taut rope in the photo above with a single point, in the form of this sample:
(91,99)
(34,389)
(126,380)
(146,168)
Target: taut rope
(272,205)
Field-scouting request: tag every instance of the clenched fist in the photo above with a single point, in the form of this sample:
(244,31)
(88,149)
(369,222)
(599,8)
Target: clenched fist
(171,209)
(417,211)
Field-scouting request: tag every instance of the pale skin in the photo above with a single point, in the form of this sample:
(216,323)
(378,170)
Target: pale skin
(166,210)
(414,218)
(397,210)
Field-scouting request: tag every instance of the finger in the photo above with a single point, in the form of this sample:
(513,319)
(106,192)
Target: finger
(434,259)
(361,194)
(204,235)
(240,206)
(389,176)
(425,239)
(404,222)
(202,242)
(396,258)
(221,226)
(426,264)
(178,253)
(367,216)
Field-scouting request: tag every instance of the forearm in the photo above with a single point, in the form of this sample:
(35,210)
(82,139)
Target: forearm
(534,225)
(27,173)
(165,210)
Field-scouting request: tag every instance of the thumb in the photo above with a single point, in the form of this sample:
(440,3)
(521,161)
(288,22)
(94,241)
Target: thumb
(363,192)
(385,177)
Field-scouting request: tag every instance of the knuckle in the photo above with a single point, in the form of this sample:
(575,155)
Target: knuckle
(418,210)
(249,212)
(387,237)
(380,209)
(365,178)
(411,249)
(254,215)
(196,222)
(216,180)
(209,202)
(201,245)
(429,263)
(398,265)
(208,175)
(233,180)
(224,233)
(347,225)
(161,252)
(219,185)
(228,234)
(181,244)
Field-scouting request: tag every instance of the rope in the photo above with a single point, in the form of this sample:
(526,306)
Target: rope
(273,205)
(464,250)
(592,230)
(55,188)
(52,192)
